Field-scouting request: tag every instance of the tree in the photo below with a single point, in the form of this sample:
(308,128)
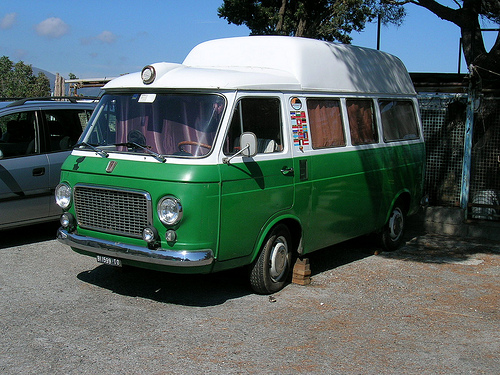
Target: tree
(18,81)
(467,14)
(335,19)
(319,19)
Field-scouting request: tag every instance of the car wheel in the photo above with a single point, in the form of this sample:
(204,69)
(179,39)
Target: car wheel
(392,234)
(271,270)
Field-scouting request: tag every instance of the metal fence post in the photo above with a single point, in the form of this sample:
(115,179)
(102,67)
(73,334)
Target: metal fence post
(469,126)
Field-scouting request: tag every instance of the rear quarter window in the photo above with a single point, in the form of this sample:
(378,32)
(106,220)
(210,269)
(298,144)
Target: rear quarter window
(399,121)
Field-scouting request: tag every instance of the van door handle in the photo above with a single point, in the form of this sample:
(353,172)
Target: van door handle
(38,171)
(287,171)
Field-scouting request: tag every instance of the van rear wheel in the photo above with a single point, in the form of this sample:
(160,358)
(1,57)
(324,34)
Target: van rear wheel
(392,234)
(271,270)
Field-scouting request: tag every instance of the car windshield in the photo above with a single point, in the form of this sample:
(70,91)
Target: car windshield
(182,125)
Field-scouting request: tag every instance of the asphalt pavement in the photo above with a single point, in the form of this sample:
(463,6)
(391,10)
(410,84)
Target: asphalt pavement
(431,307)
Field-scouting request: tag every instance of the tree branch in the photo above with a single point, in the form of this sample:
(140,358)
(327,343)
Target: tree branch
(443,12)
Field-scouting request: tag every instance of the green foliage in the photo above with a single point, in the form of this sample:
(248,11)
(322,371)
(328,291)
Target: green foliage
(18,81)
(320,19)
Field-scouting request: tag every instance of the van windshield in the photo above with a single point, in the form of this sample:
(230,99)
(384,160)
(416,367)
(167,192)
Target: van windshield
(182,125)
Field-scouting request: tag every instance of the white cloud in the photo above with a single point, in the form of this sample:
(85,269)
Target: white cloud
(8,21)
(107,37)
(52,28)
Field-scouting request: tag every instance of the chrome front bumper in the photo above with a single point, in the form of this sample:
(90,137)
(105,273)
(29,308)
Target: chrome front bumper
(195,258)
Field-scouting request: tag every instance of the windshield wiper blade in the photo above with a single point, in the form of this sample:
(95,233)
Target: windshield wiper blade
(98,151)
(156,155)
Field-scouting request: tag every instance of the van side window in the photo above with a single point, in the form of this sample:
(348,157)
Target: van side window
(261,116)
(398,120)
(325,121)
(362,121)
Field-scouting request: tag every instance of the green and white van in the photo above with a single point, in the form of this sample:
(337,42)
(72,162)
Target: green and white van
(252,152)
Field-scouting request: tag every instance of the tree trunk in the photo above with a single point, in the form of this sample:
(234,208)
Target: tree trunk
(472,38)
(301,27)
(281,17)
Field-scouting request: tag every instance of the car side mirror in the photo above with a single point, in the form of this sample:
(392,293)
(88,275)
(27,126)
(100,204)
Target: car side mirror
(248,144)
(248,147)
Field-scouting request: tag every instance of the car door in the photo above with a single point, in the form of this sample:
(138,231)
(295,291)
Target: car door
(253,190)
(24,171)
(62,129)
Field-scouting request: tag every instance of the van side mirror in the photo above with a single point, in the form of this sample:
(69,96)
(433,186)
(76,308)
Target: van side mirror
(248,144)
(248,147)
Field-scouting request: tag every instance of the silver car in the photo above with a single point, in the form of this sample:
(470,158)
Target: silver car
(36,136)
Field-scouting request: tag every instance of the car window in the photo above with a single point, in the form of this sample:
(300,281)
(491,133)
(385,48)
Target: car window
(325,119)
(18,134)
(362,124)
(261,116)
(64,127)
(399,120)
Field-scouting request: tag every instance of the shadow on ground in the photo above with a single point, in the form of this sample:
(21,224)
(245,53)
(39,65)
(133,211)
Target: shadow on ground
(190,290)
(28,234)
(433,248)
(341,254)
(424,247)
(216,289)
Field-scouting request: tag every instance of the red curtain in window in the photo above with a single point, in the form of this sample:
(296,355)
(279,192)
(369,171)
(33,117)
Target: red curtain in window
(361,122)
(325,122)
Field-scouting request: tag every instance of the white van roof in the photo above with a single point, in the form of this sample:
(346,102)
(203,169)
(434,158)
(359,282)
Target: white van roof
(279,63)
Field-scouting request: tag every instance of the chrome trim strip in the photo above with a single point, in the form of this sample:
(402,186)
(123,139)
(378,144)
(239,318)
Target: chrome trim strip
(165,257)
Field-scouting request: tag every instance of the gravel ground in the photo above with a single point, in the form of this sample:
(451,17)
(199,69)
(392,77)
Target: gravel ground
(431,307)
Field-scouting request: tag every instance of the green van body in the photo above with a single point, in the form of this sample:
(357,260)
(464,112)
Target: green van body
(234,202)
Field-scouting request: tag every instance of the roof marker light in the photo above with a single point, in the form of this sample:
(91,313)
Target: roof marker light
(148,74)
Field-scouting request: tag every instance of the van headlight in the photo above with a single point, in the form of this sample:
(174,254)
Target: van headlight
(170,210)
(63,196)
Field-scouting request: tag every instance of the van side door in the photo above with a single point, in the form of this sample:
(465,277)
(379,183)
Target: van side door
(254,189)
(342,181)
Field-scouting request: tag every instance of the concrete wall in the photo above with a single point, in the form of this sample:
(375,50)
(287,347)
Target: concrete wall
(451,221)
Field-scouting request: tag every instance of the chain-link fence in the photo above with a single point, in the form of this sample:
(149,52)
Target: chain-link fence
(443,118)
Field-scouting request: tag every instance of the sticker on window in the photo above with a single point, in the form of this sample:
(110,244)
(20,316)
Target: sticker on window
(300,128)
(296,104)
(147,98)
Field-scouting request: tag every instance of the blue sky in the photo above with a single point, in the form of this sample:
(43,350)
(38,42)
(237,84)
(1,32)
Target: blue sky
(106,38)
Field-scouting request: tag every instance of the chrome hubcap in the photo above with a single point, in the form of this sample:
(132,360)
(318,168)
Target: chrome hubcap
(278,259)
(396,224)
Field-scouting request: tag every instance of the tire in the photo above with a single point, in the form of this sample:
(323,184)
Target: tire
(392,234)
(271,270)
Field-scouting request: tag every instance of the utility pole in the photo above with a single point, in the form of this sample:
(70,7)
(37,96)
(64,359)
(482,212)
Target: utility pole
(378,32)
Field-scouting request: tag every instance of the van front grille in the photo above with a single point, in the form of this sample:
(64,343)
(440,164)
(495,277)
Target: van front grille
(117,211)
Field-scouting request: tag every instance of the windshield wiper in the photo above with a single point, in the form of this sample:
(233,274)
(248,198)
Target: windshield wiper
(98,151)
(156,155)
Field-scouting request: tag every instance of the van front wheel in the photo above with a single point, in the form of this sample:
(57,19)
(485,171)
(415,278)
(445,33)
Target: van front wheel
(270,272)
(392,234)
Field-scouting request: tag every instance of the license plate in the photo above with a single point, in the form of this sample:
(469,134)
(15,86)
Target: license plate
(109,261)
